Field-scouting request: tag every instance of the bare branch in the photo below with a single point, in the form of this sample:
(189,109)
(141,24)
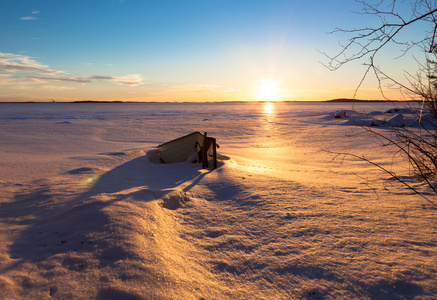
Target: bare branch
(417,145)
(392,174)
(376,38)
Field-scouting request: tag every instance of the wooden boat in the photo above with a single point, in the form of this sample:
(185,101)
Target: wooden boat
(180,149)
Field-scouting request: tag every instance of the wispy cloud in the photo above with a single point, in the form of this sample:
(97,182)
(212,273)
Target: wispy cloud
(131,80)
(15,65)
(60,78)
(34,12)
(21,87)
(28,18)
(101,77)
(54,88)
(28,83)
(6,79)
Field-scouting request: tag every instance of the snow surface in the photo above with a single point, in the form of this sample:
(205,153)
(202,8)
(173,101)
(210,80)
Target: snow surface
(85,214)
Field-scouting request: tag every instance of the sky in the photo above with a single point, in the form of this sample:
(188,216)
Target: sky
(163,50)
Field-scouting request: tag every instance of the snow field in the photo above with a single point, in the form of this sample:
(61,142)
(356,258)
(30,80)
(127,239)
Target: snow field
(84,214)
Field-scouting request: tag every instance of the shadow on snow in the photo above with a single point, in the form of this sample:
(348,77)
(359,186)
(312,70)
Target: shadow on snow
(58,224)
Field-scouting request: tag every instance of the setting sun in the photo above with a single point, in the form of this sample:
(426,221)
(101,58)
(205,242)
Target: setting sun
(268,90)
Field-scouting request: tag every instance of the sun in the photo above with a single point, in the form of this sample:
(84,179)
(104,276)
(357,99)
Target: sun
(268,90)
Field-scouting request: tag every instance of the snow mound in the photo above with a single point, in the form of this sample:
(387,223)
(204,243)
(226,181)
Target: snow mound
(427,121)
(393,117)
(394,110)
(153,156)
(99,247)
(397,120)
(118,239)
(344,114)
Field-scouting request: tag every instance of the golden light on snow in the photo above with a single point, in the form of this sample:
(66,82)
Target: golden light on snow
(276,205)
(268,90)
(87,182)
(269,108)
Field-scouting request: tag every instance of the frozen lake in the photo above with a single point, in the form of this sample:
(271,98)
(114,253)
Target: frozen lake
(83,215)
(280,134)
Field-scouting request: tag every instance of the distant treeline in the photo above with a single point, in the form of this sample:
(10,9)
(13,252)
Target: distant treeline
(357,100)
(94,101)
(83,101)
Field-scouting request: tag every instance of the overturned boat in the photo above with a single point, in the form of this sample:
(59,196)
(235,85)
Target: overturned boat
(195,147)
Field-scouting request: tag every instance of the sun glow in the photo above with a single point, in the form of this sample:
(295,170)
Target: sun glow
(268,108)
(268,90)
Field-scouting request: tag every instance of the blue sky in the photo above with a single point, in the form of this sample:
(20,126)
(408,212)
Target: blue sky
(140,50)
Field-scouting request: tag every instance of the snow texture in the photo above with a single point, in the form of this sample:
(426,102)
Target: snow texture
(86,214)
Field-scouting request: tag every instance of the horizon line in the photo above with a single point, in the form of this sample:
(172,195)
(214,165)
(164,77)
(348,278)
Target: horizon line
(337,100)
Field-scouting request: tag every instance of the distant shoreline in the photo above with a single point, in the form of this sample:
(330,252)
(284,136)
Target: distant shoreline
(340,100)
